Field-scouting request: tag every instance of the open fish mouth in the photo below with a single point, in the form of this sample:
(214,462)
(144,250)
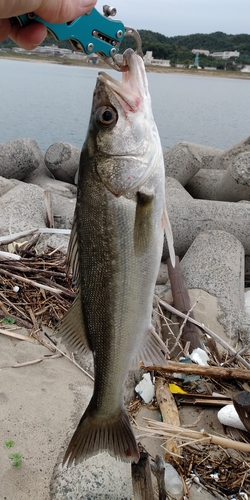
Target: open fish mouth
(133,88)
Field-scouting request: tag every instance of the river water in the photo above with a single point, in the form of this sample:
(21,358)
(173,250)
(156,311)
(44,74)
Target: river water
(50,103)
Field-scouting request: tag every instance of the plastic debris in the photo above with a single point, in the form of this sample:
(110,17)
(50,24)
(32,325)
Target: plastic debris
(175,389)
(146,388)
(16,289)
(173,482)
(199,356)
(229,416)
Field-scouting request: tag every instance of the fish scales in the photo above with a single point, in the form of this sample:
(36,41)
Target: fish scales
(119,228)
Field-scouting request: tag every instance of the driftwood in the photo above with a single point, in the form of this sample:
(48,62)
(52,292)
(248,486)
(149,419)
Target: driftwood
(169,412)
(204,371)
(141,479)
(190,332)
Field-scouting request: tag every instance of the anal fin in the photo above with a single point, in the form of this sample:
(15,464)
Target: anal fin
(151,352)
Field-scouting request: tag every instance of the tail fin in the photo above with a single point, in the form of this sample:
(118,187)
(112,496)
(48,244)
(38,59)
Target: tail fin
(95,434)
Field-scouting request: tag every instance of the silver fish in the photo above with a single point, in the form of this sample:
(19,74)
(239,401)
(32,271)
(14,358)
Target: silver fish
(115,252)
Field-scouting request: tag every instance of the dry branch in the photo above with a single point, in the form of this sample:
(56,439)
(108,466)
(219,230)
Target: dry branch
(220,341)
(189,435)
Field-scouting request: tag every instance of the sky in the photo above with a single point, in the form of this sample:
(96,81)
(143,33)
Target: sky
(184,17)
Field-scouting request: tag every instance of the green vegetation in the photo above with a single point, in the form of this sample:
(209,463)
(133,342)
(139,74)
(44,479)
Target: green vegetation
(16,458)
(9,444)
(179,48)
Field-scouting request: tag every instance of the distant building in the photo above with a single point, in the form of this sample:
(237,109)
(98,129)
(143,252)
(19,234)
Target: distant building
(201,51)
(149,59)
(226,54)
(246,69)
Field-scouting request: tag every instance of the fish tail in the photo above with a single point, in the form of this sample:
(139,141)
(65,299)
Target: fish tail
(95,434)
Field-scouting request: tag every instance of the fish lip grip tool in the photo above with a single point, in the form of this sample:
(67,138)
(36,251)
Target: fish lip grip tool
(91,33)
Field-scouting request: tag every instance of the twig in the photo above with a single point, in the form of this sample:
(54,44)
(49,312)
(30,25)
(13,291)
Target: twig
(30,282)
(5,240)
(18,336)
(72,361)
(220,341)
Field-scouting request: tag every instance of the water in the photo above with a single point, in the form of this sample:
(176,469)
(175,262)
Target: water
(51,103)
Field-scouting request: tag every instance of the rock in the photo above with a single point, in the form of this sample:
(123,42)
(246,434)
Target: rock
(185,159)
(62,159)
(203,185)
(190,217)
(235,183)
(19,158)
(215,263)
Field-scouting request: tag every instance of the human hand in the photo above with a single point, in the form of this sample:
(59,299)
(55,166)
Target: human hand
(53,11)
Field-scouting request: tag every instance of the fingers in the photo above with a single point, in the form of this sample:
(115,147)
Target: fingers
(28,37)
(54,11)
(5,28)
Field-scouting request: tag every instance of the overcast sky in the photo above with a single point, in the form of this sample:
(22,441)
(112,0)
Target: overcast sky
(184,17)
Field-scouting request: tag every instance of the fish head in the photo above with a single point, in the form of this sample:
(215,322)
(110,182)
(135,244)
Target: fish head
(123,136)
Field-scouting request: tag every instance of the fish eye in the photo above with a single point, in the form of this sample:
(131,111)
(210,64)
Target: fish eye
(106,116)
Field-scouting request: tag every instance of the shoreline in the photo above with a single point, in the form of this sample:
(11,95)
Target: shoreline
(149,69)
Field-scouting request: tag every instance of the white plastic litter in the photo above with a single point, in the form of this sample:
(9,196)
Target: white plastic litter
(16,288)
(146,388)
(229,416)
(199,356)
(247,302)
(173,482)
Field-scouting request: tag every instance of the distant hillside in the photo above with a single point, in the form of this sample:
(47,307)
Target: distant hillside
(178,48)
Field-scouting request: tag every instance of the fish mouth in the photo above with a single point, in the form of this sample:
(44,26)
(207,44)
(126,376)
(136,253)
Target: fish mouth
(133,88)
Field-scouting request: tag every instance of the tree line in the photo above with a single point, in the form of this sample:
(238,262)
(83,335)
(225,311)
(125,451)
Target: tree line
(178,49)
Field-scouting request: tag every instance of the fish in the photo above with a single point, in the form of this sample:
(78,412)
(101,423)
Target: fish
(114,255)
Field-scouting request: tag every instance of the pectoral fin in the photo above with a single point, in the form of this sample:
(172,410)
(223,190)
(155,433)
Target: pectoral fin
(72,329)
(143,220)
(169,236)
(72,266)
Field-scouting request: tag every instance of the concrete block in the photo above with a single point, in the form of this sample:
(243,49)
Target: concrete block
(235,183)
(215,264)
(98,478)
(185,159)
(203,185)
(190,217)
(22,208)
(19,158)
(62,159)
(224,160)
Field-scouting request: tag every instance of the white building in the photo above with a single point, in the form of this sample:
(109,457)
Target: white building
(149,59)
(201,51)
(226,54)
